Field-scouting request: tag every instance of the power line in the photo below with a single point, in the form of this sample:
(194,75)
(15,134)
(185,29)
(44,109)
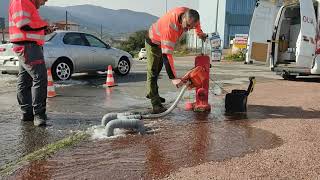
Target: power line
(92,28)
(96,26)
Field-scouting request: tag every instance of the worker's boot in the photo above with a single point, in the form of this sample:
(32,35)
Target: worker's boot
(27,117)
(156,109)
(163,100)
(40,120)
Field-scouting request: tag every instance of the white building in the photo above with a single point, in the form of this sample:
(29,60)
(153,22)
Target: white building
(227,17)
(71,26)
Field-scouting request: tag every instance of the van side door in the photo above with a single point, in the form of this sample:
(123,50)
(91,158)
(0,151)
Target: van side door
(260,34)
(306,43)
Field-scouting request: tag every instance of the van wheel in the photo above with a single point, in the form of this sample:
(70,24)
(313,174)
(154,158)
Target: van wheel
(289,77)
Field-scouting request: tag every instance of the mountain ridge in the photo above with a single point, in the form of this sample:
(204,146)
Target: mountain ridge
(92,17)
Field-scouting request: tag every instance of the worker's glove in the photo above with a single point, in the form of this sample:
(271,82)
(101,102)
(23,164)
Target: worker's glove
(178,82)
(50,29)
(190,86)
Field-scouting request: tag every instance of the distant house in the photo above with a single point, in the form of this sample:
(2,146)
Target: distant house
(72,26)
(4,35)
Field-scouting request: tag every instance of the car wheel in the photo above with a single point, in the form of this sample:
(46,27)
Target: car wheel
(123,67)
(62,70)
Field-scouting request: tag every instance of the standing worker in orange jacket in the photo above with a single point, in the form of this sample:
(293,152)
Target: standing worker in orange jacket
(160,43)
(27,32)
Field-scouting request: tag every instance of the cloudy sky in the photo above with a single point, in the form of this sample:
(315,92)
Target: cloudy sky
(154,7)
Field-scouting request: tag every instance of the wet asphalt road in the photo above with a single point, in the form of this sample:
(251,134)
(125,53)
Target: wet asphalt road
(82,101)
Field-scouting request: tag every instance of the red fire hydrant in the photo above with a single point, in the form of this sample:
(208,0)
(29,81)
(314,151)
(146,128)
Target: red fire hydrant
(202,93)
(199,77)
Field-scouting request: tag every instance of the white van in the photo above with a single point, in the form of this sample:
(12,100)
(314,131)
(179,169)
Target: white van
(291,49)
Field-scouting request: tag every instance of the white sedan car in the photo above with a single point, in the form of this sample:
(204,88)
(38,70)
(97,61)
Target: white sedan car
(68,52)
(142,54)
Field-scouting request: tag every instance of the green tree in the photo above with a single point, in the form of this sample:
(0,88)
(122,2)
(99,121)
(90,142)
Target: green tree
(134,43)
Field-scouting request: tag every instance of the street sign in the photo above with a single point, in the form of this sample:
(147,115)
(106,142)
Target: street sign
(2,25)
(240,41)
(215,41)
(216,55)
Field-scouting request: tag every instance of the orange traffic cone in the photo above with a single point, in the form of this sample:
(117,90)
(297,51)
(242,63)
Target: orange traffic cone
(51,90)
(109,81)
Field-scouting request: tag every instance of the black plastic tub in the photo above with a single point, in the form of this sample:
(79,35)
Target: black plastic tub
(236,101)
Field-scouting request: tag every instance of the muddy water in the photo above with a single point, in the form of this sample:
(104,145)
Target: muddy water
(182,139)
(179,140)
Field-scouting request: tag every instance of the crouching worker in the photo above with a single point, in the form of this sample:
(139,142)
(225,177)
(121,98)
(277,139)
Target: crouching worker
(160,43)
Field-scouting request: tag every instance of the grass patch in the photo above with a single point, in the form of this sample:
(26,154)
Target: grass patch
(240,56)
(181,53)
(183,50)
(44,152)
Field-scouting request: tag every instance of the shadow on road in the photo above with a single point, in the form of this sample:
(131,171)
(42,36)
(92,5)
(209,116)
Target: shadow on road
(306,79)
(287,112)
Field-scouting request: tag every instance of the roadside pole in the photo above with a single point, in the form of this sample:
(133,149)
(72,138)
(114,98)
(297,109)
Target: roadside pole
(2,35)
(2,26)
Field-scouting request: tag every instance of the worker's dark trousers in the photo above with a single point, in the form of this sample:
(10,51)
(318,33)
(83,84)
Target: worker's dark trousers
(32,78)
(154,66)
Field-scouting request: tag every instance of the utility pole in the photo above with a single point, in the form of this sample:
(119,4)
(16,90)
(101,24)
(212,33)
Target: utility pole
(66,20)
(217,10)
(101,32)
(2,25)
(2,35)
(166,6)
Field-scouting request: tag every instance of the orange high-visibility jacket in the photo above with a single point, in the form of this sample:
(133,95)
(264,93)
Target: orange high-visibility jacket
(21,13)
(167,31)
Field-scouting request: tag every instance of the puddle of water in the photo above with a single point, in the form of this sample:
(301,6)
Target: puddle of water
(185,139)
(100,100)
(18,139)
(63,119)
(181,139)
(68,83)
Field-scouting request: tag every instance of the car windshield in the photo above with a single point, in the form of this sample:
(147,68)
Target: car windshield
(50,36)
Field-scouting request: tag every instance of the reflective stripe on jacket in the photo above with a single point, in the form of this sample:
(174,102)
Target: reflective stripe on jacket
(21,13)
(167,31)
